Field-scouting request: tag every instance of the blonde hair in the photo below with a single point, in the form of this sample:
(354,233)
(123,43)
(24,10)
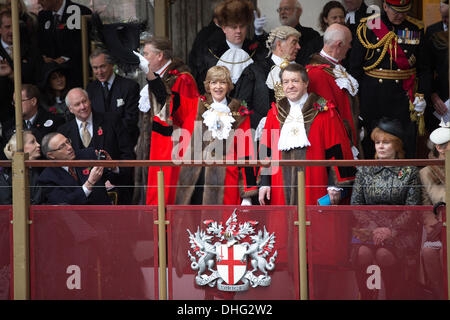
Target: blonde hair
(11,146)
(218,73)
(378,134)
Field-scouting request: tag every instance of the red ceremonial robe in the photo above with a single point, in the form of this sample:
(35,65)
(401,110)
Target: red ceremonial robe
(323,82)
(161,135)
(329,140)
(222,185)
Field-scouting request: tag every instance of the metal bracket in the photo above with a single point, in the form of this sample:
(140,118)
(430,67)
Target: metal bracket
(166,222)
(308,223)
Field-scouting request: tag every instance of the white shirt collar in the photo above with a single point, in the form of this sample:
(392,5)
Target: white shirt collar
(234,46)
(300,103)
(111,80)
(32,118)
(224,101)
(324,54)
(61,10)
(276,59)
(4,44)
(89,121)
(161,71)
(445,26)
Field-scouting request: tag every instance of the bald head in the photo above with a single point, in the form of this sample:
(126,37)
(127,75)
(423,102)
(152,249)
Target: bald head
(337,41)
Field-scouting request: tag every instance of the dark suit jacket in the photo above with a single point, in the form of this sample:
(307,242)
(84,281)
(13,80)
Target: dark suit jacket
(359,14)
(57,41)
(52,179)
(45,122)
(433,28)
(123,99)
(109,134)
(31,62)
(251,88)
(307,35)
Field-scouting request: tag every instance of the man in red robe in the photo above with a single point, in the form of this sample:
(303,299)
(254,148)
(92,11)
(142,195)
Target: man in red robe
(329,79)
(305,126)
(158,58)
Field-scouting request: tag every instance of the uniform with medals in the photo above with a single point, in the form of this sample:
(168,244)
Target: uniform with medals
(386,60)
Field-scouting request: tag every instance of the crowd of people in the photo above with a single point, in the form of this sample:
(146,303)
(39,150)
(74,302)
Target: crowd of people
(369,87)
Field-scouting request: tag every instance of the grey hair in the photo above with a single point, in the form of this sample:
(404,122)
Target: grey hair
(45,143)
(332,35)
(67,101)
(11,146)
(99,51)
(279,34)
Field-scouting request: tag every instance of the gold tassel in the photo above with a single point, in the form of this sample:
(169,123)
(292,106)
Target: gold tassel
(413,114)
(421,125)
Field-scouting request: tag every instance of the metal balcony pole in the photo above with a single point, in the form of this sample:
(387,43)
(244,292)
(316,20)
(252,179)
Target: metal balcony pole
(447,216)
(302,236)
(162,237)
(21,199)
(85,49)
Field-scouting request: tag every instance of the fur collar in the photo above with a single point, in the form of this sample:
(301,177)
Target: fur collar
(309,112)
(233,104)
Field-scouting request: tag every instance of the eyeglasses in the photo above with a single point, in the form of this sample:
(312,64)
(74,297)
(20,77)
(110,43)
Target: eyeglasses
(64,145)
(286,9)
(23,100)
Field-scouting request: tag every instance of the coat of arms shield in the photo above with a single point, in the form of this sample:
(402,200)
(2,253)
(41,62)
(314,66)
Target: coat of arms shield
(231,262)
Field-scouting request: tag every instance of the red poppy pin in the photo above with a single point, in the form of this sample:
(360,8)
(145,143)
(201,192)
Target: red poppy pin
(174,72)
(253,46)
(100,131)
(61,26)
(52,110)
(86,171)
(203,98)
(243,110)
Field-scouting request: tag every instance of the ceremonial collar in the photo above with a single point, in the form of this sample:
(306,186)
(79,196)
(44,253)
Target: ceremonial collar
(234,46)
(163,69)
(328,57)
(300,103)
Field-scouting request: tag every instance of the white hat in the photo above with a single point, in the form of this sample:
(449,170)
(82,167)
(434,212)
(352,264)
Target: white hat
(441,135)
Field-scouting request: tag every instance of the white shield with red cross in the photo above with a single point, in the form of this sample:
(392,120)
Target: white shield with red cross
(231,262)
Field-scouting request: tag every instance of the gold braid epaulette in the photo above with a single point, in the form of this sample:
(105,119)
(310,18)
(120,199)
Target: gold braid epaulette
(385,42)
(418,23)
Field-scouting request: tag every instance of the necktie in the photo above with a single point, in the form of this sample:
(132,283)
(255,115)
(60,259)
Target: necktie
(105,93)
(73,173)
(56,20)
(28,124)
(85,135)
(11,52)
